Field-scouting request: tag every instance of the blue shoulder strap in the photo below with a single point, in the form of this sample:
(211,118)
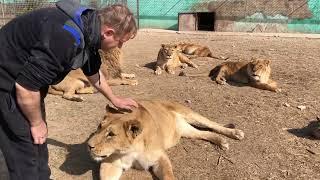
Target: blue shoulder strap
(75,31)
(75,27)
(77,16)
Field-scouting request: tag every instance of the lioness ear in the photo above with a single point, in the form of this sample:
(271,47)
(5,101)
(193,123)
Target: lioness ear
(254,60)
(267,62)
(111,110)
(163,45)
(132,128)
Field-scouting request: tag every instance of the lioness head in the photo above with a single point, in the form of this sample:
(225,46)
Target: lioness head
(259,70)
(168,50)
(116,133)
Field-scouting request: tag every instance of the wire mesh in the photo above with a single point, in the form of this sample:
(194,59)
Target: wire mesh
(12,8)
(282,11)
(227,9)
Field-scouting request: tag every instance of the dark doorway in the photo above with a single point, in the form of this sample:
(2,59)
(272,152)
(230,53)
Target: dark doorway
(205,21)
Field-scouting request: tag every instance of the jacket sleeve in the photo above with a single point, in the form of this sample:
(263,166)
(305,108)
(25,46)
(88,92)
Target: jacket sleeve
(49,58)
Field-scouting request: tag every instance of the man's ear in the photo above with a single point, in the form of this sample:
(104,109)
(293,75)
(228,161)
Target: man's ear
(254,60)
(132,128)
(106,32)
(109,32)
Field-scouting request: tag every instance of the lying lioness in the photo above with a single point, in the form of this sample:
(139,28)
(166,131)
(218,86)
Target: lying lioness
(139,139)
(195,50)
(77,83)
(255,73)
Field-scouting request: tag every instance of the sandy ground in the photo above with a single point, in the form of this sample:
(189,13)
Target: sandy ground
(277,143)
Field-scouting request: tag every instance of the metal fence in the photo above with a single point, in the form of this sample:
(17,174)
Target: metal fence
(232,8)
(12,8)
(292,15)
(164,13)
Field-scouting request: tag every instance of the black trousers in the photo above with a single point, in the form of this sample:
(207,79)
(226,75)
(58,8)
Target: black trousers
(25,160)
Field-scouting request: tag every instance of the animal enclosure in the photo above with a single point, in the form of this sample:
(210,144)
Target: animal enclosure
(277,144)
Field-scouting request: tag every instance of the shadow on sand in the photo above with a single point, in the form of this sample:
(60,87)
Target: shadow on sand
(311,131)
(78,160)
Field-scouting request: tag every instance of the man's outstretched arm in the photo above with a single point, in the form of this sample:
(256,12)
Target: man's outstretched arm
(100,83)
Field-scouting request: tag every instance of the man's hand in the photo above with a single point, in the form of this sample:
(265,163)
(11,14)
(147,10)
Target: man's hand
(124,103)
(39,132)
(104,88)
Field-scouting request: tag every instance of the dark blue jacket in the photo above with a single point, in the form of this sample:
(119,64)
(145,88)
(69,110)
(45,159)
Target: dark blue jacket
(39,48)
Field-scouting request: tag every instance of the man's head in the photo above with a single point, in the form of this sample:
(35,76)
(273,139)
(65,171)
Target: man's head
(117,26)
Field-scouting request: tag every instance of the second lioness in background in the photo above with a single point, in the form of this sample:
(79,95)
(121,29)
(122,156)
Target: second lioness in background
(195,50)
(255,73)
(77,83)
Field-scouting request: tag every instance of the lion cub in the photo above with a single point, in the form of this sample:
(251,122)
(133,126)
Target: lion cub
(170,58)
(140,138)
(255,73)
(77,83)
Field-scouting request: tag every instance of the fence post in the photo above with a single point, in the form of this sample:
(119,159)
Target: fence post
(138,19)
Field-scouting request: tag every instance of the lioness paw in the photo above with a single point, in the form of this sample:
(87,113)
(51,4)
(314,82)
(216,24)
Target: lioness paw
(221,81)
(134,82)
(224,145)
(157,72)
(184,66)
(128,76)
(170,71)
(238,134)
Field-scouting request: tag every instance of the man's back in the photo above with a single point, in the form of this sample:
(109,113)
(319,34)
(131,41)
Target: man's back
(29,38)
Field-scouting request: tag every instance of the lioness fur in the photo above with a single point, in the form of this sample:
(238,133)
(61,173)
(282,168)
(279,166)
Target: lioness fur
(140,138)
(195,50)
(255,73)
(170,58)
(77,83)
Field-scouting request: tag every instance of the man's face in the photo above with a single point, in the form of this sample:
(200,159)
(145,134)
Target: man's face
(110,40)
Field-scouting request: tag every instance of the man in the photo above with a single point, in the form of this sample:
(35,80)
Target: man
(38,49)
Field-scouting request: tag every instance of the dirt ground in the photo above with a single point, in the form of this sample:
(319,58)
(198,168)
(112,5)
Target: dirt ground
(277,143)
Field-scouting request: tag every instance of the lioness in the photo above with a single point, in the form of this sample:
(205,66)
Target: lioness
(195,50)
(77,83)
(169,58)
(255,73)
(139,139)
